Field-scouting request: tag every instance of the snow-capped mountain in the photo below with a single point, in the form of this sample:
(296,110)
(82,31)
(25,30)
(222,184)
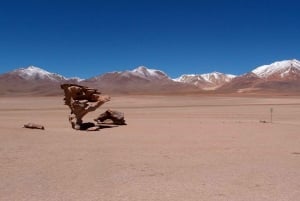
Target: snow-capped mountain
(141,73)
(32,80)
(206,81)
(278,77)
(218,78)
(145,73)
(281,70)
(138,80)
(36,73)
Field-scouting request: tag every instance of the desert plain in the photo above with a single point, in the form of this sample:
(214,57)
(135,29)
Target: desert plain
(177,148)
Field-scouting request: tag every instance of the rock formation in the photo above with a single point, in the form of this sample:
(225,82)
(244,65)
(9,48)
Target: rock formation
(116,117)
(82,100)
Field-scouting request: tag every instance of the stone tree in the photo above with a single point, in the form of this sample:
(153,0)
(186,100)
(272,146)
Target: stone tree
(82,100)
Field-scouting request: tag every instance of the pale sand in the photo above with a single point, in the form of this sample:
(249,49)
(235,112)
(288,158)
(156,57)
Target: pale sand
(173,148)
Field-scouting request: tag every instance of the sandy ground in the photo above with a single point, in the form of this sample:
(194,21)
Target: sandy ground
(173,148)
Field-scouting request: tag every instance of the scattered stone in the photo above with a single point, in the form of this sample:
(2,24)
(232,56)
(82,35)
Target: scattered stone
(115,116)
(34,126)
(263,121)
(94,128)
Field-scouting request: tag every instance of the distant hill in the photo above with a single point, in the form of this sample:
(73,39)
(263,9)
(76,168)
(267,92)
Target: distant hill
(282,77)
(208,81)
(36,81)
(278,77)
(32,81)
(140,81)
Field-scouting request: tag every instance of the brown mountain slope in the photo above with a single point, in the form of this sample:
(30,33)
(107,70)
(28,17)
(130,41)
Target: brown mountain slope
(118,83)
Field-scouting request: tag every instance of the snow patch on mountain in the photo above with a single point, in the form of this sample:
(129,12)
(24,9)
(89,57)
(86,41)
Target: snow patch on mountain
(145,73)
(212,77)
(282,67)
(36,73)
(184,77)
(207,77)
(78,79)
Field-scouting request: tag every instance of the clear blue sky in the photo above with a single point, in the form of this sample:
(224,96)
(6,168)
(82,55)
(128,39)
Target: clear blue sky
(89,37)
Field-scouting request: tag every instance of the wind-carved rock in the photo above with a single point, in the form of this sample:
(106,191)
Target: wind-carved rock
(116,117)
(82,100)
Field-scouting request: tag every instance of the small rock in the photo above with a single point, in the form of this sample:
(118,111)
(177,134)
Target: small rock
(263,121)
(94,128)
(115,116)
(34,126)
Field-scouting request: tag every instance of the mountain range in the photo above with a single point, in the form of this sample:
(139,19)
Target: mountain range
(279,77)
(208,81)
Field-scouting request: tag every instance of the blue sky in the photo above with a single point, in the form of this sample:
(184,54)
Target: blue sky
(89,37)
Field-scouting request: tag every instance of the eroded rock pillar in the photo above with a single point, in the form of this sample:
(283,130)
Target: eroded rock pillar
(81,100)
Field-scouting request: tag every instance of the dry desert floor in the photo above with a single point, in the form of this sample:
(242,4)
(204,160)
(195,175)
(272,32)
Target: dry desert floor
(177,148)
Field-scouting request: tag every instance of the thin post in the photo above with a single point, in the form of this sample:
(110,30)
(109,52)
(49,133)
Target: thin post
(271,113)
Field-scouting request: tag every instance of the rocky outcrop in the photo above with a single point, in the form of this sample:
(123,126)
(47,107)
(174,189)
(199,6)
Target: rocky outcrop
(115,117)
(82,100)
